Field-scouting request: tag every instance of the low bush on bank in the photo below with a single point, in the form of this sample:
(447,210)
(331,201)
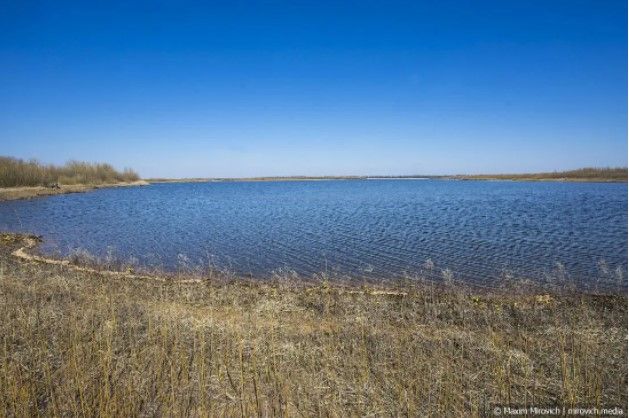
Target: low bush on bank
(16,173)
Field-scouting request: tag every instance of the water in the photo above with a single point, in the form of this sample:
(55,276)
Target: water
(376,228)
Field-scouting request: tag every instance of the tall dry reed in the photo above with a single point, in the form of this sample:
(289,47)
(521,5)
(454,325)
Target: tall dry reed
(16,172)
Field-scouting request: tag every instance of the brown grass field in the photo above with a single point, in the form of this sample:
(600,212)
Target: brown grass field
(83,343)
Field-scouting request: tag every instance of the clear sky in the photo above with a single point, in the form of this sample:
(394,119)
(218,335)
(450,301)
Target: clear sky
(180,89)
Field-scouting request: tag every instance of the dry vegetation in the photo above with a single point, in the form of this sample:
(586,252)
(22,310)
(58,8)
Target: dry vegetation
(19,173)
(583,174)
(79,343)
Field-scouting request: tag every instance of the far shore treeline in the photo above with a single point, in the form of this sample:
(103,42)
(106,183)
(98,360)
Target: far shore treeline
(15,172)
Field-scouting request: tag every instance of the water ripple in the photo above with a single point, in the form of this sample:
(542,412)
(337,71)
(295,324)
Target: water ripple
(478,230)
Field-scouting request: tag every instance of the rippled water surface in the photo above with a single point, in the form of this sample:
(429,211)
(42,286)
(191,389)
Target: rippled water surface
(477,229)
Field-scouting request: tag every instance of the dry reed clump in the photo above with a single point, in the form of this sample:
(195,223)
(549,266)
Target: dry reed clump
(73,343)
(17,173)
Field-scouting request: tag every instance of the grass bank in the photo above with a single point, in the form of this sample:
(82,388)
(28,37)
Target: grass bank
(79,342)
(16,193)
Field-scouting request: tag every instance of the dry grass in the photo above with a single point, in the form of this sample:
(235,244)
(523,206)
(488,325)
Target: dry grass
(582,174)
(79,343)
(19,173)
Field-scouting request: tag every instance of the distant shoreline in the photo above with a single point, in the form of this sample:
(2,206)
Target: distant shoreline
(250,179)
(533,179)
(586,175)
(461,178)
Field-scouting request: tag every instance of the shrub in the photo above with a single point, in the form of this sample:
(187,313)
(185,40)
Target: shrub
(16,172)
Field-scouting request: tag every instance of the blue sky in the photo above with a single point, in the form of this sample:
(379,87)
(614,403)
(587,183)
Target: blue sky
(183,89)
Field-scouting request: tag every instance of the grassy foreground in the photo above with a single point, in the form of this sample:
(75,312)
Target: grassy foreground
(82,343)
